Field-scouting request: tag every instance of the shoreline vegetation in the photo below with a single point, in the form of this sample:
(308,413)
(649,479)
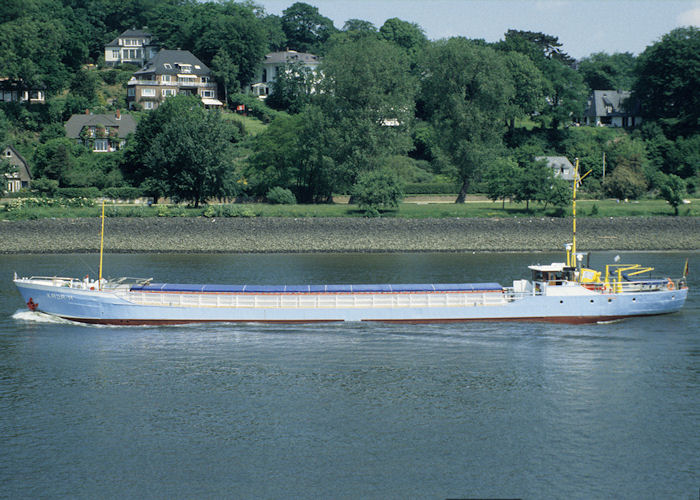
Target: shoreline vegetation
(346,234)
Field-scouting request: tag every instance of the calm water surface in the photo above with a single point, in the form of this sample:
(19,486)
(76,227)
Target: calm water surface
(346,411)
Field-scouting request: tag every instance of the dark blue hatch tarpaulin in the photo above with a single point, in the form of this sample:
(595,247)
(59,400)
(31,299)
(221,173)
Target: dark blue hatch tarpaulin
(442,287)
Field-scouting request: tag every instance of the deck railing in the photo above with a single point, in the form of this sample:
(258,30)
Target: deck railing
(317,301)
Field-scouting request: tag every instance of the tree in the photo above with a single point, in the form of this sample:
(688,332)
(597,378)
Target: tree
(306,29)
(228,28)
(407,35)
(367,96)
(601,71)
(532,180)
(626,182)
(54,159)
(466,91)
(182,150)
(536,45)
(530,88)
(360,26)
(500,180)
(294,153)
(377,189)
(224,69)
(673,190)
(668,80)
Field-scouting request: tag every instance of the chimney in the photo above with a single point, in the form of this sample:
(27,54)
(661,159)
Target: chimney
(119,115)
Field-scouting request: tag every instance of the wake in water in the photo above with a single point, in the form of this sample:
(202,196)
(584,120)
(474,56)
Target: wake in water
(39,317)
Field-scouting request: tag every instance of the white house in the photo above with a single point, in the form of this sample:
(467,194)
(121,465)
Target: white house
(275,63)
(133,46)
(612,108)
(560,165)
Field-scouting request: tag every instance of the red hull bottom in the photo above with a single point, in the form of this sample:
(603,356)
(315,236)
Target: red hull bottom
(572,320)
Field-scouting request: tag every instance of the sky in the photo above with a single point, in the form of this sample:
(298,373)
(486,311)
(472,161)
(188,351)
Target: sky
(583,27)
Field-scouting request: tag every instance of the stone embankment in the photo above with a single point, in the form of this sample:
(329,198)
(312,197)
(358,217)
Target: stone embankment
(245,235)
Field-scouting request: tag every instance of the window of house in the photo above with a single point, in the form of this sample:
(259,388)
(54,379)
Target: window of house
(148,92)
(197,66)
(205,79)
(168,92)
(101,145)
(165,78)
(264,75)
(148,105)
(131,91)
(167,66)
(115,53)
(207,93)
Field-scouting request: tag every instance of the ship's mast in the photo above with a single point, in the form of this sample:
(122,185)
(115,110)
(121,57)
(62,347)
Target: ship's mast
(571,256)
(102,242)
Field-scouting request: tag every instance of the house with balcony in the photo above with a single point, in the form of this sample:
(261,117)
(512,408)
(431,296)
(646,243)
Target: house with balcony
(169,73)
(277,62)
(133,47)
(612,108)
(103,133)
(21,176)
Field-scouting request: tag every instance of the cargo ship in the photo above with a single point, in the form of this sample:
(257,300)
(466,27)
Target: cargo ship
(566,292)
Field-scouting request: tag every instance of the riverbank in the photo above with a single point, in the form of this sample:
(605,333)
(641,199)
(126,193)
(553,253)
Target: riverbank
(246,235)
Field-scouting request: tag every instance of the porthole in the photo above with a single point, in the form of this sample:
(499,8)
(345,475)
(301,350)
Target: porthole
(592,301)
(609,300)
(634,299)
(561,301)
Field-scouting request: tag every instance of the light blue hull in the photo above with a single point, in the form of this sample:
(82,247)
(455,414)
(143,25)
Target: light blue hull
(109,307)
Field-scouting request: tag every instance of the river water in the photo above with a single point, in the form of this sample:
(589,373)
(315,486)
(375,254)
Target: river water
(346,410)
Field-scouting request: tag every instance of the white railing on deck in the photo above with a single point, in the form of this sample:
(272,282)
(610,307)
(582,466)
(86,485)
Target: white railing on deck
(316,301)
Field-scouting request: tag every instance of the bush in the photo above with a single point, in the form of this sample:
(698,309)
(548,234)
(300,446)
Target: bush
(254,107)
(431,188)
(82,192)
(281,196)
(45,187)
(625,183)
(377,189)
(122,193)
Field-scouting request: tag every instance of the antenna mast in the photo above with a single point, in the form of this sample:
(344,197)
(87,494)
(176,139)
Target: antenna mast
(102,244)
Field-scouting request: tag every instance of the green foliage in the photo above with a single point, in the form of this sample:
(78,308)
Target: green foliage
(500,179)
(668,79)
(406,35)
(467,89)
(122,193)
(183,151)
(601,71)
(280,196)
(305,28)
(79,193)
(293,153)
(625,183)
(431,188)
(254,107)
(293,88)
(377,189)
(45,187)
(673,191)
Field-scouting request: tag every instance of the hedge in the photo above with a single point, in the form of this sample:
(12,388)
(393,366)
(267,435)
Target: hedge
(431,188)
